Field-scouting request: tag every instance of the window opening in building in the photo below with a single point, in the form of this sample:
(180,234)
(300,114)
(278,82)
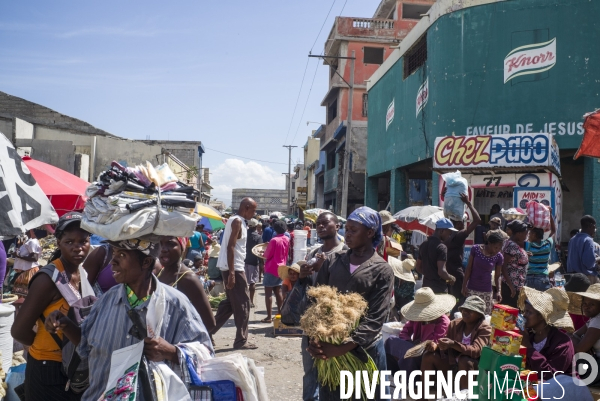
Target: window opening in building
(332,70)
(414,11)
(330,160)
(332,111)
(373,55)
(415,57)
(365,99)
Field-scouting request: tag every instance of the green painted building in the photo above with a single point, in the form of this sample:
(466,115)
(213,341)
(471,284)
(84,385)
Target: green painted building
(493,67)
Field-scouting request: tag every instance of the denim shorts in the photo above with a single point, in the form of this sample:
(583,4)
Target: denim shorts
(271,281)
(540,282)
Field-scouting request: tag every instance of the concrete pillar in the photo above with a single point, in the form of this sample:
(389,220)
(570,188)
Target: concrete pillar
(435,193)
(398,190)
(591,188)
(372,192)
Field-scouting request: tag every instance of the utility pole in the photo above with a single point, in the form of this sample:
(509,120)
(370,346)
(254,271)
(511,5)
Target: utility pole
(348,150)
(290,177)
(348,147)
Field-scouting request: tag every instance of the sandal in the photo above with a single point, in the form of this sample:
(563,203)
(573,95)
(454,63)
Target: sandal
(267,320)
(247,346)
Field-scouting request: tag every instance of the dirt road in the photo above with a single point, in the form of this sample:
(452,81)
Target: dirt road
(280,356)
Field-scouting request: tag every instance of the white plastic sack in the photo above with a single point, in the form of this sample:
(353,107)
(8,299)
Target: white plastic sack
(142,223)
(230,367)
(454,207)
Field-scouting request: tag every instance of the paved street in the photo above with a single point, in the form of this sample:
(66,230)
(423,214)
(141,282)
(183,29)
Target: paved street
(280,356)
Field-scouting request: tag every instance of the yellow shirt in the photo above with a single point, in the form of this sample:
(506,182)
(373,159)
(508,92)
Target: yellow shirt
(44,347)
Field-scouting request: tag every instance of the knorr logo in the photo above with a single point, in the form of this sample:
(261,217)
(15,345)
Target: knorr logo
(530,59)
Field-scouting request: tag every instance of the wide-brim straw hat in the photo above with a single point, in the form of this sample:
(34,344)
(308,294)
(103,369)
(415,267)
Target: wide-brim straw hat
(215,249)
(552,304)
(402,269)
(553,267)
(428,306)
(282,271)
(575,298)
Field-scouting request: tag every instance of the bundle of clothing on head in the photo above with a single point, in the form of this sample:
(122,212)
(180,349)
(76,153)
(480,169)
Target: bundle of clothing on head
(127,203)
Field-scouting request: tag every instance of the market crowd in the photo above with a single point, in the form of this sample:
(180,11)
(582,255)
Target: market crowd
(101,298)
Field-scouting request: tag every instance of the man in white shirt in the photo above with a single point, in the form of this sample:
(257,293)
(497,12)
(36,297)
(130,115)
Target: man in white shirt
(26,264)
(231,262)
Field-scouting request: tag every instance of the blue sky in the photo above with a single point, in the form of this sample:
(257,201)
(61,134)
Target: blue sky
(225,73)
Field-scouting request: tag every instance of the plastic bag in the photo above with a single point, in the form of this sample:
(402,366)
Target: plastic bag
(14,378)
(538,215)
(454,207)
(291,309)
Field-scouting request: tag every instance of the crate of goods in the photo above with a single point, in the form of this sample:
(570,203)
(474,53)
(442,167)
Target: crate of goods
(504,317)
(506,342)
(280,329)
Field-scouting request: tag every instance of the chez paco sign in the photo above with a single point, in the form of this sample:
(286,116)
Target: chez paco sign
(496,151)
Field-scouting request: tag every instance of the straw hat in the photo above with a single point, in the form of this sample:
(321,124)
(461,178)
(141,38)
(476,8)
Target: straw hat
(575,298)
(428,306)
(214,250)
(403,269)
(282,271)
(386,217)
(552,304)
(553,267)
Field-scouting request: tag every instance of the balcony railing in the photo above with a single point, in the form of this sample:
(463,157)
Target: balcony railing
(369,23)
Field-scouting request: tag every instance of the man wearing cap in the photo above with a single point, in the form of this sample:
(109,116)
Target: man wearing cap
(120,317)
(456,250)
(433,254)
(231,262)
(251,262)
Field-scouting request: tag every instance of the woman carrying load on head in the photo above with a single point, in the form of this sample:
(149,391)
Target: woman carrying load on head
(118,319)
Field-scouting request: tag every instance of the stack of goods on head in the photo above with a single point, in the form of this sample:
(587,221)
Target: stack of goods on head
(538,215)
(456,185)
(143,201)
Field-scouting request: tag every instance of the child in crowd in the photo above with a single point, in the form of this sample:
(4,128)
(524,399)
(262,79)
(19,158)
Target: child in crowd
(460,348)
(289,275)
(483,261)
(427,320)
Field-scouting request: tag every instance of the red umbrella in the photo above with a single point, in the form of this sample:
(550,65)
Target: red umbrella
(65,191)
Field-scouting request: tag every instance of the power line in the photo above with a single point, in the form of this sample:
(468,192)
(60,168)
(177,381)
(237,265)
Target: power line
(307,98)
(344,6)
(297,99)
(242,157)
(322,26)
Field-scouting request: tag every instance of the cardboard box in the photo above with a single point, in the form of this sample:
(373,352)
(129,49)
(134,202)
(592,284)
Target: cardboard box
(506,342)
(280,329)
(492,364)
(504,317)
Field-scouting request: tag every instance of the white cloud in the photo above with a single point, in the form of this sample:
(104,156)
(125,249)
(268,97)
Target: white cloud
(235,173)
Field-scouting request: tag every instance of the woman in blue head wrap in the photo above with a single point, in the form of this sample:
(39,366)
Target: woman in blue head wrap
(363,271)
(370,219)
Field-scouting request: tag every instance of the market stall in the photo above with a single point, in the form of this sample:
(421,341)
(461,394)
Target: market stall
(507,170)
